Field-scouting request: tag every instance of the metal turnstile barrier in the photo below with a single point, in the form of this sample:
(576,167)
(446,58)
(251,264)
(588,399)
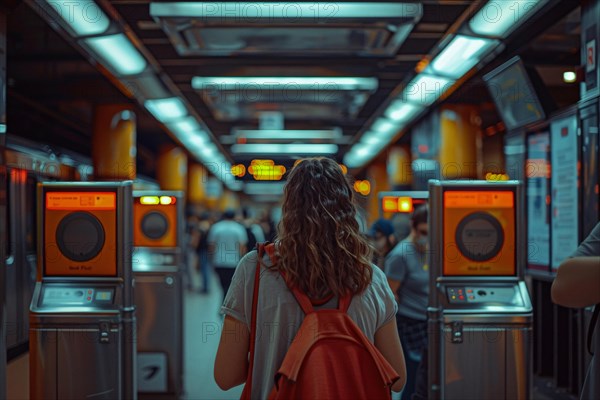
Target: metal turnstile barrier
(157,265)
(480,312)
(82,316)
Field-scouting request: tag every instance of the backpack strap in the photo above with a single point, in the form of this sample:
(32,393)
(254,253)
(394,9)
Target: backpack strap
(307,305)
(593,322)
(261,252)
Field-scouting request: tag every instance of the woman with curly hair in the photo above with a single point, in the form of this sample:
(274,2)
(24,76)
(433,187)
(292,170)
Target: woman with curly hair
(320,250)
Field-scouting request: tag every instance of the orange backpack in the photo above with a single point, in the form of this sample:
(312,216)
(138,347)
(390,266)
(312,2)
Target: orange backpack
(331,358)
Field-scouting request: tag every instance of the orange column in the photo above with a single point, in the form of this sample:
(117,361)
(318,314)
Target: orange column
(114,142)
(460,137)
(399,167)
(377,176)
(171,168)
(197,177)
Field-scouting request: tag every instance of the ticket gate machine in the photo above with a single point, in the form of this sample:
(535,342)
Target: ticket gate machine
(480,313)
(158,222)
(82,315)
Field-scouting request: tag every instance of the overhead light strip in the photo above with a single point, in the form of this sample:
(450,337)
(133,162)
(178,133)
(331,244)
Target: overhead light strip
(273,148)
(284,83)
(81,17)
(288,134)
(260,11)
(85,20)
(494,20)
(118,53)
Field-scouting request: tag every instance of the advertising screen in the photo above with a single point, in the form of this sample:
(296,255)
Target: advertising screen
(479,233)
(514,93)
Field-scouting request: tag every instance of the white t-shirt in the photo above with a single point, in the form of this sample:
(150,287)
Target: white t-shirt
(227,237)
(279,316)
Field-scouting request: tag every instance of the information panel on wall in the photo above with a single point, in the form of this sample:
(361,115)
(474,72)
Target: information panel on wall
(537,171)
(565,199)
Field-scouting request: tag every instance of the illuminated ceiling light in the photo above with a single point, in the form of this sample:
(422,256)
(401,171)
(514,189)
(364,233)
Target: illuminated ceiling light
(400,111)
(363,151)
(289,134)
(385,126)
(83,17)
(166,110)
(277,148)
(460,55)
(283,83)
(371,138)
(569,77)
(425,89)
(209,150)
(184,126)
(118,52)
(284,10)
(498,18)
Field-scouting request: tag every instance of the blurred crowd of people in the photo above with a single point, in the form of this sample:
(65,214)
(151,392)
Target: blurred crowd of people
(217,241)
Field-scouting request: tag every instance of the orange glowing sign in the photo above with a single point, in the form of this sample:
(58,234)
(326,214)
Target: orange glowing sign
(91,201)
(403,204)
(489,199)
(479,233)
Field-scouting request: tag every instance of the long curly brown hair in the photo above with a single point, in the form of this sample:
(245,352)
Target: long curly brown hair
(320,248)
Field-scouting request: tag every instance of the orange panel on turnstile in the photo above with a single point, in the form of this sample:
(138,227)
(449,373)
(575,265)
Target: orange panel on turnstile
(480,215)
(166,211)
(94,210)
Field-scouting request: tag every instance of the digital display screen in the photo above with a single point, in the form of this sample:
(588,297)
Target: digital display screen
(514,95)
(479,233)
(81,201)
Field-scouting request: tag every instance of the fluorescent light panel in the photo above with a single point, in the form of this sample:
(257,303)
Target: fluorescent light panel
(290,134)
(184,126)
(402,111)
(460,55)
(166,110)
(498,17)
(118,52)
(385,126)
(275,148)
(425,89)
(284,10)
(283,83)
(83,17)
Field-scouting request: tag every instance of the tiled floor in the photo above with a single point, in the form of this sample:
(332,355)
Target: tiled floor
(202,333)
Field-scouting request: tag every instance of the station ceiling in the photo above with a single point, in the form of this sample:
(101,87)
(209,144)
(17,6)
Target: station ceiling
(53,75)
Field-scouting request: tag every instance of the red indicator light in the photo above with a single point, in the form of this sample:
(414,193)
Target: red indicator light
(89,298)
(461,297)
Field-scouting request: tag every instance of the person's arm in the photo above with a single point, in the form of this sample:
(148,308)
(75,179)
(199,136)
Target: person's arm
(395,270)
(394,285)
(577,282)
(231,363)
(387,342)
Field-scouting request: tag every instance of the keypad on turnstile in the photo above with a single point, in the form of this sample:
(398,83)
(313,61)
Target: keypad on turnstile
(457,295)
